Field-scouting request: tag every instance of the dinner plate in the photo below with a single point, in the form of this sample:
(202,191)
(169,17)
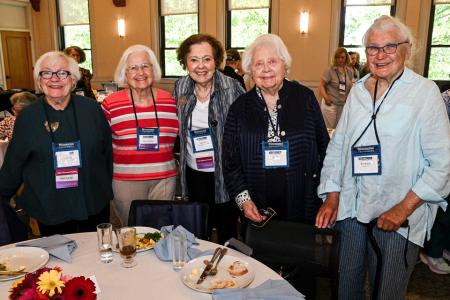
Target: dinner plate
(32,258)
(140,231)
(193,269)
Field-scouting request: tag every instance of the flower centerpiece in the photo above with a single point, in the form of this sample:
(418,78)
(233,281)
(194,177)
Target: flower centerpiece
(51,284)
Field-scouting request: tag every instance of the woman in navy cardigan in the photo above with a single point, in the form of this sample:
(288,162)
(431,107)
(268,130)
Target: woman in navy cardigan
(275,139)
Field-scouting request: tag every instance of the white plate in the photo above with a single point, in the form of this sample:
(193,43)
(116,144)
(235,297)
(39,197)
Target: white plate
(32,258)
(193,269)
(141,230)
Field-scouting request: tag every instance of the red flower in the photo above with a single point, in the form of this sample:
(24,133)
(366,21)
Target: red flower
(79,288)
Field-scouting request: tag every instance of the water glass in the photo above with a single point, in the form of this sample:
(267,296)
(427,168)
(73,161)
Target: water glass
(179,249)
(104,237)
(127,246)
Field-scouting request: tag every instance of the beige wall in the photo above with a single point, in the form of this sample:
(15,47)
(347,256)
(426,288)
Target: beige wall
(311,53)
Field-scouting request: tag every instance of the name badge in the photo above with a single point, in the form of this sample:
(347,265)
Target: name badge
(341,87)
(66,178)
(66,155)
(275,154)
(366,160)
(201,140)
(205,162)
(147,139)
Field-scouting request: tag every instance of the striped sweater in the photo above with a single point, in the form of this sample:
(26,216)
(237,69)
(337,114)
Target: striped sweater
(129,163)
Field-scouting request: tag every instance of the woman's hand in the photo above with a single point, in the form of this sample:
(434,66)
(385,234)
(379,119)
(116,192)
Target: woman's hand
(393,219)
(328,211)
(251,212)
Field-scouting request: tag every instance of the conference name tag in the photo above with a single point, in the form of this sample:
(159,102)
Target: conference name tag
(201,140)
(366,160)
(66,155)
(66,178)
(275,154)
(148,139)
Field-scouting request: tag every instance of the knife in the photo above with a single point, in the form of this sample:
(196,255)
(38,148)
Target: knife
(209,265)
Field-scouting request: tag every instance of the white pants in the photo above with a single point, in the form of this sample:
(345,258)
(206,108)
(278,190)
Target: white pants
(331,113)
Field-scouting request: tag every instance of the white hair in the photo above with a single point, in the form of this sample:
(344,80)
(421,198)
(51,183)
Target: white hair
(120,73)
(385,23)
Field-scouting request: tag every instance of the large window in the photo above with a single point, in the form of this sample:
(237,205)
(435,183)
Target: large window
(74,29)
(179,20)
(438,50)
(246,20)
(356,18)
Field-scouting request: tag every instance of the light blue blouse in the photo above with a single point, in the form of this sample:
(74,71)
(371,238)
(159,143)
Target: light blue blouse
(414,134)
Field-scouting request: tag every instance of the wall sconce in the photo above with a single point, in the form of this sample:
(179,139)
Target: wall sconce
(304,22)
(121,27)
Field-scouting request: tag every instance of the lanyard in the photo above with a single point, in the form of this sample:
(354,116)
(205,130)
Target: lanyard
(74,119)
(275,127)
(339,78)
(375,112)
(134,108)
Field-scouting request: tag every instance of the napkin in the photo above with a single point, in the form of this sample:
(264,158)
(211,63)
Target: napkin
(268,290)
(57,245)
(163,249)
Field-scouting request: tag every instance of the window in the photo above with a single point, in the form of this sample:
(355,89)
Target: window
(356,18)
(246,20)
(74,29)
(179,20)
(438,50)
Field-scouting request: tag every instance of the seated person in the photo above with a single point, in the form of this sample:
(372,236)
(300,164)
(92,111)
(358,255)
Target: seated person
(19,101)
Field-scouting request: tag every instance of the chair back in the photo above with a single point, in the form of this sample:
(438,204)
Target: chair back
(157,213)
(314,251)
(12,229)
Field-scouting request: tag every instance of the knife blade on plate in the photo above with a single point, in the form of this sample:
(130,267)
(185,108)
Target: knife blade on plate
(209,265)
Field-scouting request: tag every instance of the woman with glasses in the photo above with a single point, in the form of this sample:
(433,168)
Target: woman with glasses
(275,139)
(334,87)
(387,163)
(203,98)
(61,152)
(144,127)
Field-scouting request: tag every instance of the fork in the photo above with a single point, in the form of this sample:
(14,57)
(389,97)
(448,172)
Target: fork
(213,271)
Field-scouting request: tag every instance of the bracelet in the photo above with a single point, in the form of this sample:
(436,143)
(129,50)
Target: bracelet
(241,198)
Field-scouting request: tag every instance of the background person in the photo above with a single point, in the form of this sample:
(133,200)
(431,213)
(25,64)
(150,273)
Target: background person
(354,65)
(65,191)
(83,87)
(334,87)
(232,63)
(144,127)
(410,136)
(19,101)
(203,98)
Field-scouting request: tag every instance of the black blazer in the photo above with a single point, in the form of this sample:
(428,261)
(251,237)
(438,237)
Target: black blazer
(246,127)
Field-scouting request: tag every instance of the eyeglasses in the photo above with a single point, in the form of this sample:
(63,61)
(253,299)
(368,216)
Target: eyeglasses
(195,60)
(269,213)
(390,48)
(61,74)
(134,69)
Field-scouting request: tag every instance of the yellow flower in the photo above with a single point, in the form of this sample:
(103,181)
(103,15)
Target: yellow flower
(16,283)
(49,282)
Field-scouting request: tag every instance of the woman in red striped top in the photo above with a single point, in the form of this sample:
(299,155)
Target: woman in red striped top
(144,127)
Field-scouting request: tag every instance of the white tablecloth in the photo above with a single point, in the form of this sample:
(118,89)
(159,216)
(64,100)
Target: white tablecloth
(150,279)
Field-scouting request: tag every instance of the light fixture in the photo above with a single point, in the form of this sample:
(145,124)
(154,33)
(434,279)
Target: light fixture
(121,27)
(304,22)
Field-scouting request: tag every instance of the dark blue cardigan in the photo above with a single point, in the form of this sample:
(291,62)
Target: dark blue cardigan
(246,128)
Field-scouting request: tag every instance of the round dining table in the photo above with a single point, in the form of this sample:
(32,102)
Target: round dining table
(151,278)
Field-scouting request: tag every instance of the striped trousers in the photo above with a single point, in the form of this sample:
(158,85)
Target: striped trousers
(358,257)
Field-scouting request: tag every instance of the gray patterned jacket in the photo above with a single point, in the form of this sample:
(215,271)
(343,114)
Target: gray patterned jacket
(226,90)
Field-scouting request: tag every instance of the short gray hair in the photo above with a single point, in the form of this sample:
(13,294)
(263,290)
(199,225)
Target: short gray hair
(385,23)
(271,40)
(22,99)
(120,75)
(53,55)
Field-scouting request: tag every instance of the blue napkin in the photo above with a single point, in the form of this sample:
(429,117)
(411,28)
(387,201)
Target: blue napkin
(268,290)
(57,245)
(163,249)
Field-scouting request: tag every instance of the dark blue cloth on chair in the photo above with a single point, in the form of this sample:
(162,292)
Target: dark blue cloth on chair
(12,229)
(158,213)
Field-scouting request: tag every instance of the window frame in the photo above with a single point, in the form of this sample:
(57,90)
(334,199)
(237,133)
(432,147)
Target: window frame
(162,40)
(228,24)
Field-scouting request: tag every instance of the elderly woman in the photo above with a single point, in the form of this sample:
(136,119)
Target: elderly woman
(83,87)
(389,162)
(19,101)
(334,87)
(61,151)
(275,139)
(203,98)
(144,127)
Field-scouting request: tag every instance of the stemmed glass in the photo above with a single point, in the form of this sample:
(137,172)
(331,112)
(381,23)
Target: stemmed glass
(127,246)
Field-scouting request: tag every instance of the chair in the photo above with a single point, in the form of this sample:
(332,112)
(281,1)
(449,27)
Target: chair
(12,229)
(157,213)
(309,250)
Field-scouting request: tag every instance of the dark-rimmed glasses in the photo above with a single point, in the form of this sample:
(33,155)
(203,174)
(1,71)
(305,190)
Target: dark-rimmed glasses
(134,69)
(61,74)
(269,213)
(390,48)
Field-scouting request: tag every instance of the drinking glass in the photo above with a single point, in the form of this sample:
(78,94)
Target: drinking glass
(179,249)
(104,237)
(127,246)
